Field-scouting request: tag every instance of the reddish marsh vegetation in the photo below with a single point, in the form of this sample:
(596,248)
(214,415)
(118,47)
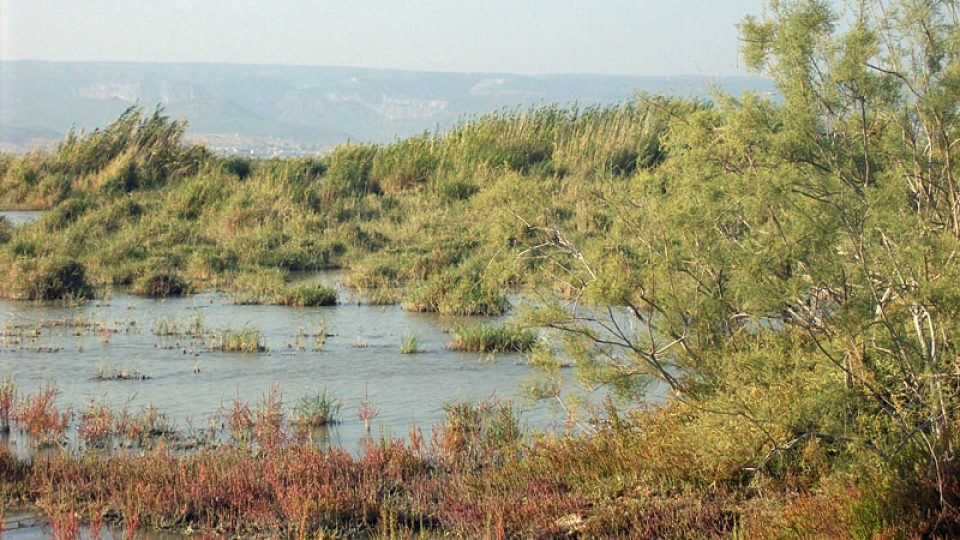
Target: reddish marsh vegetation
(479,475)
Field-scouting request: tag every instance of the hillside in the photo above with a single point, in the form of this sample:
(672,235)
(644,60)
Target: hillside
(298,109)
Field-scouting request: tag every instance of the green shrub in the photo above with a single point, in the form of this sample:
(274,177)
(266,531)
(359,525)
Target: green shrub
(24,247)
(455,190)
(126,180)
(238,166)
(522,156)
(405,164)
(48,278)
(64,214)
(6,230)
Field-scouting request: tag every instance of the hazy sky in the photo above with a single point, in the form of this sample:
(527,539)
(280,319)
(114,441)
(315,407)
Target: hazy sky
(636,37)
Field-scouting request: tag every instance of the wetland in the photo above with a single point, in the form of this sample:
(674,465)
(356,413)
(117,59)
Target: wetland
(664,318)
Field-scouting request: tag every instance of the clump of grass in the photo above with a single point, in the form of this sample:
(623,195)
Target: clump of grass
(8,402)
(109,372)
(246,340)
(166,328)
(492,338)
(161,284)
(307,295)
(320,336)
(455,293)
(257,287)
(149,426)
(410,344)
(195,327)
(383,297)
(317,410)
(478,430)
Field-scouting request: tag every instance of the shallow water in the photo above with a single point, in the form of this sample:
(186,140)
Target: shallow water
(360,355)
(20,217)
(24,524)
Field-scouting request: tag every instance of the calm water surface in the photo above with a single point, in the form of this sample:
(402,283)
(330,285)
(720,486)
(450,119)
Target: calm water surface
(361,354)
(20,217)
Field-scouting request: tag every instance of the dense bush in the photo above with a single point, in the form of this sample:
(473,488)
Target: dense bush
(161,284)
(47,278)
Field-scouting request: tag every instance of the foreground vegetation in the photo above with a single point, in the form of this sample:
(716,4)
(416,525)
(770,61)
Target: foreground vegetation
(478,475)
(783,271)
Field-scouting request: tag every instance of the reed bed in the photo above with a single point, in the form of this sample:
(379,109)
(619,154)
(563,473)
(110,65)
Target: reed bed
(130,207)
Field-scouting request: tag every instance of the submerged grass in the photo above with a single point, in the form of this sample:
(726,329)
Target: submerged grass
(110,372)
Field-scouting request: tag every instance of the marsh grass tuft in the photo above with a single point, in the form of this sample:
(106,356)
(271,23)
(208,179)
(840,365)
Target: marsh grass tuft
(320,336)
(307,296)
(315,410)
(110,372)
(492,338)
(245,340)
(410,343)
(8,402)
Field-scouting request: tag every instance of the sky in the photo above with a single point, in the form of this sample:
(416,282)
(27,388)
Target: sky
(627,37)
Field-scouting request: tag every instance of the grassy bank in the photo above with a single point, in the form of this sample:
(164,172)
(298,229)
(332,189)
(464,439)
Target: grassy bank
(131,206)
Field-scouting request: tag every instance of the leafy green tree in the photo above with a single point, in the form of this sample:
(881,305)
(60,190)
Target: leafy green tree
(792,263)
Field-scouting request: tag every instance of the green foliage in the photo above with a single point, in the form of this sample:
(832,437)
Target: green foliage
(350,168)
(239,167)
(6,230)
(477,431)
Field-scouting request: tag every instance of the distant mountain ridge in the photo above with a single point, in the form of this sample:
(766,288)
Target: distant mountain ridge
(294,109)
